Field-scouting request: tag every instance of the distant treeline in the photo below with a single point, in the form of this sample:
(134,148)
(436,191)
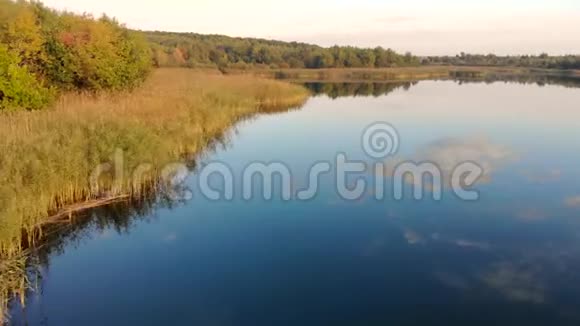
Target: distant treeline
(43,51)
(196,50)
(543,61)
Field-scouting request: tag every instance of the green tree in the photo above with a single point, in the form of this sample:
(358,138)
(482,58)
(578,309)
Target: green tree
(19,88)
(23,36)
(367,58)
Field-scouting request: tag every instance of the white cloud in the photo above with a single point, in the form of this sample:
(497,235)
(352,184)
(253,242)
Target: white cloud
(171,237)
(448,153)
(413,238)
(542,177)
(515,283)
(573,202)
(532,214)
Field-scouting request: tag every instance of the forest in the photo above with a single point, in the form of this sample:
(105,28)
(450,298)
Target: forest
(543,61)
(196,50)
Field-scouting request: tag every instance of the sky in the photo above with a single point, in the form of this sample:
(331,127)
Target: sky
(420,26)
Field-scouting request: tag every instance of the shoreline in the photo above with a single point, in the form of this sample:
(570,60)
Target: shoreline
(402,74)
(177,114)
(265,105)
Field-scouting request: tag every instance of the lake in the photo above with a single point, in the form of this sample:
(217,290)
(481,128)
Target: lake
(511,256)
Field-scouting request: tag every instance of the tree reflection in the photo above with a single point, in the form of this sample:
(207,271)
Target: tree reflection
(376,89)
(336,90)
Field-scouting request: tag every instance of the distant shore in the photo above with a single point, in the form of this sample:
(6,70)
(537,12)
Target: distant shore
(399,73)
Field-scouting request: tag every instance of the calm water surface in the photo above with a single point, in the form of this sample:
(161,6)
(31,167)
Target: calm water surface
(512,257)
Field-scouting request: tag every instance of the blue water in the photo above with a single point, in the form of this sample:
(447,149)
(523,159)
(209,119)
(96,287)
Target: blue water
(511,257)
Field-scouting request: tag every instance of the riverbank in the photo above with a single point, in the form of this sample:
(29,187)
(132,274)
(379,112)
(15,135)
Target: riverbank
(49,156)
(398,74)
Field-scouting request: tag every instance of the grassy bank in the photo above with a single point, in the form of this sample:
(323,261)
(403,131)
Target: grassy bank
(48,156)
(396,74)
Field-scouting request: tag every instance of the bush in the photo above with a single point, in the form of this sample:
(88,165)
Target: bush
(18,87)
(95,54)
(41,46)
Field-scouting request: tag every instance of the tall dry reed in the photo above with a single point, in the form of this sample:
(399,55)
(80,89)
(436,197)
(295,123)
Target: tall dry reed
(46,157)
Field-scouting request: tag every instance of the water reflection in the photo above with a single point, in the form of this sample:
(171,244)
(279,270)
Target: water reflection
(118,217)
(336,90)
(376,89)
(567,80)
(448,153)
(512,257)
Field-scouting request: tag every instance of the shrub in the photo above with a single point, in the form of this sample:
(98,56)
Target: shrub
(19,88)
(41,46)
(95,54)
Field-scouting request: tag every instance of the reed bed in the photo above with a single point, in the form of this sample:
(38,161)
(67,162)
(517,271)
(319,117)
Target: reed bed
(14,283)
(47,157)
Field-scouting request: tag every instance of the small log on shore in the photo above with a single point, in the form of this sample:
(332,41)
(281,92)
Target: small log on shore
(66,213)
